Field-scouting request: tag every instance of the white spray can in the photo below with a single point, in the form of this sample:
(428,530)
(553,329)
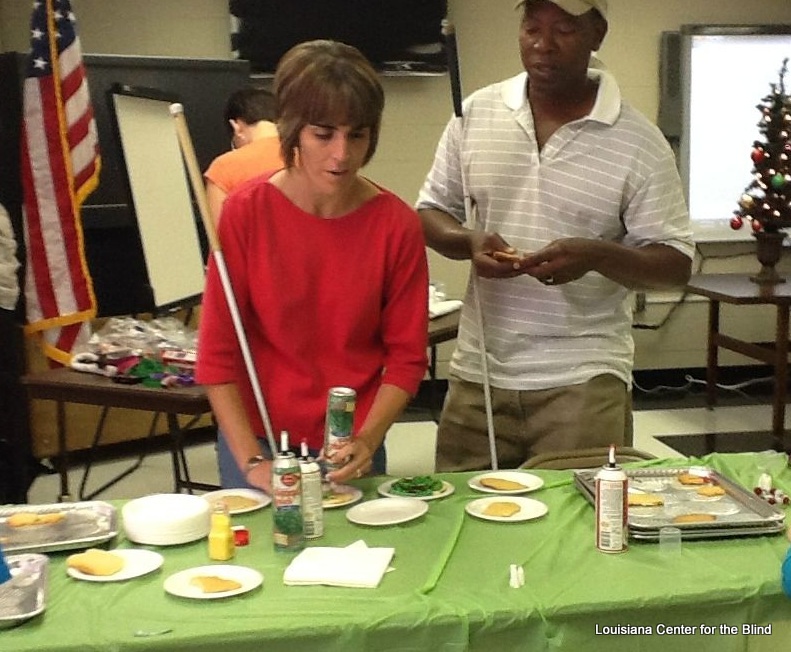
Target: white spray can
(612,500)
(312,494)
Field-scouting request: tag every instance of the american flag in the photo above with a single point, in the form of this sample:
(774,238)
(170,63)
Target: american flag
(60,168)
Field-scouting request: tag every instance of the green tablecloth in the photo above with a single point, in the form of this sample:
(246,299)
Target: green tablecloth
(449,590)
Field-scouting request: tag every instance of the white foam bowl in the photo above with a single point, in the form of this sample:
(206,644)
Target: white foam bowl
(166,519)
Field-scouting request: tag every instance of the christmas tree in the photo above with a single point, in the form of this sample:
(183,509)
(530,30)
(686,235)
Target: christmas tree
(766,202)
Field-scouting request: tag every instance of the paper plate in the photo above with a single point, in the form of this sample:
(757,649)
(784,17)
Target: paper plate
(260,498)
(529,481)
(166,519)
(387,511)
(529,509)
(341,496)
(137,562)
(180,584)
(384,490)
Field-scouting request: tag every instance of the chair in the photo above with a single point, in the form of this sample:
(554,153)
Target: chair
(585,458)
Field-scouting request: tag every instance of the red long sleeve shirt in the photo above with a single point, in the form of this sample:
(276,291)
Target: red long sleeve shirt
(324,303)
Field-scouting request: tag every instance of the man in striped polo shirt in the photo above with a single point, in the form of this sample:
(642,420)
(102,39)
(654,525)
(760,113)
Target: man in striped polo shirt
(574,202)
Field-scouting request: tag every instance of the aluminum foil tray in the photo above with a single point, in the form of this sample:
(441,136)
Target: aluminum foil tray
(25,594)
(739,512)
(78,525)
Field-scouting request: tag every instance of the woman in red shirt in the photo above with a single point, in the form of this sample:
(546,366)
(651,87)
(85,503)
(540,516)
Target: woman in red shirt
(330,275)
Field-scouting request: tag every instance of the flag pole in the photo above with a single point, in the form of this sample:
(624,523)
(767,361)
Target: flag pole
(196,179)
(449,34)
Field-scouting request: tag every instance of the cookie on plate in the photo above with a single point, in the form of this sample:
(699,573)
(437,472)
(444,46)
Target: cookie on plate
(337,498)
(235,502)
(95,562)
(214,584)
(502,508)
(501,484)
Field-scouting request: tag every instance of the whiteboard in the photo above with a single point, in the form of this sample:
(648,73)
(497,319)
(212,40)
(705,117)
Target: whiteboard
(161,198)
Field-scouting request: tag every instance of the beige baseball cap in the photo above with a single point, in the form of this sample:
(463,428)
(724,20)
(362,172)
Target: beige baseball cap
(576,7)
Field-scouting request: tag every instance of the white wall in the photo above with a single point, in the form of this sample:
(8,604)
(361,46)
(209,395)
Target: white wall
(418,107)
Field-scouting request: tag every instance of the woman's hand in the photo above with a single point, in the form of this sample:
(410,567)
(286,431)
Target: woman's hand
(358,458)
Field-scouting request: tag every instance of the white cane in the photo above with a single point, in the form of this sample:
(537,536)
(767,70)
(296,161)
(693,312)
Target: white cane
(449,33)
(196,179)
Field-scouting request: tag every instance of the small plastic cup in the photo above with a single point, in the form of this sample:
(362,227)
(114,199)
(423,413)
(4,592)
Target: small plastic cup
(670,541)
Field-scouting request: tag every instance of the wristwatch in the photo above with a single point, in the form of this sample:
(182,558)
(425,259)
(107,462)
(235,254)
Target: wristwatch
(253,462)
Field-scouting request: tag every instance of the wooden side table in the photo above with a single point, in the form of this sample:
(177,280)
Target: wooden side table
(68,386)
(738,289)
(442,329)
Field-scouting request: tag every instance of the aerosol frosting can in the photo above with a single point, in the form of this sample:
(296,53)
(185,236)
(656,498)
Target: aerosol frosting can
(339,423)
(287,526)
(612,500)
(312,494)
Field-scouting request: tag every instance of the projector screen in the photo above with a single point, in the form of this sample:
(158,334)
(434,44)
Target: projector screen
(726,71)
(161,197)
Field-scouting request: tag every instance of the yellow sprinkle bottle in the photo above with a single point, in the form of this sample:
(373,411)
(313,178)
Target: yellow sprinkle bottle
(221,544)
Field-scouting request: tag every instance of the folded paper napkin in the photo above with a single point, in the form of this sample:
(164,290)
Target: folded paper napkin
(355,566)
(439,308)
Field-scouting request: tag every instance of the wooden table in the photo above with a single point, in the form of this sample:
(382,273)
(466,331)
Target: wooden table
(738,289)
(441,329)
(68,386)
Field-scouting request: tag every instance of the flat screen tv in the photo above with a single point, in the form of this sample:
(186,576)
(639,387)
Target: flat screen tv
(399,37)
(726,71)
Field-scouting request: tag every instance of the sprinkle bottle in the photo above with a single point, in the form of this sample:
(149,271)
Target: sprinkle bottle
(221,541)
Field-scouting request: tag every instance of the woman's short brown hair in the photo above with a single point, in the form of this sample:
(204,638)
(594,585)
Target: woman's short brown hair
(325,82)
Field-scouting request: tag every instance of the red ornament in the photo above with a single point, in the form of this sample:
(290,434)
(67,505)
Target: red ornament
(758,155)
(757,226)
(736,223)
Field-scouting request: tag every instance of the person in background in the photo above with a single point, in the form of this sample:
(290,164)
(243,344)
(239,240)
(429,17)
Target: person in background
(576,203)
(16,461)
(255,147)
(330,274)
(9,264)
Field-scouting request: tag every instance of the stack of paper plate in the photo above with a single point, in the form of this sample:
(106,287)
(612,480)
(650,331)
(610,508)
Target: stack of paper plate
(166,519)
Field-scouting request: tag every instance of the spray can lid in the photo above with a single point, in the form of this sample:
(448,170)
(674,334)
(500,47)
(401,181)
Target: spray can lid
(284,441)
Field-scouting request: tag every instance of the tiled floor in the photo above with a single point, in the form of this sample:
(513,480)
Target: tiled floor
(410,450)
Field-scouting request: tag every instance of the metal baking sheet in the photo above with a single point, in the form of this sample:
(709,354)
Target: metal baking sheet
(25,594)
(83,524)
(737,513)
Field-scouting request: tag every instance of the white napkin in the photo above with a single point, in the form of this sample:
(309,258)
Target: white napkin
(439,308)
(355,566)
